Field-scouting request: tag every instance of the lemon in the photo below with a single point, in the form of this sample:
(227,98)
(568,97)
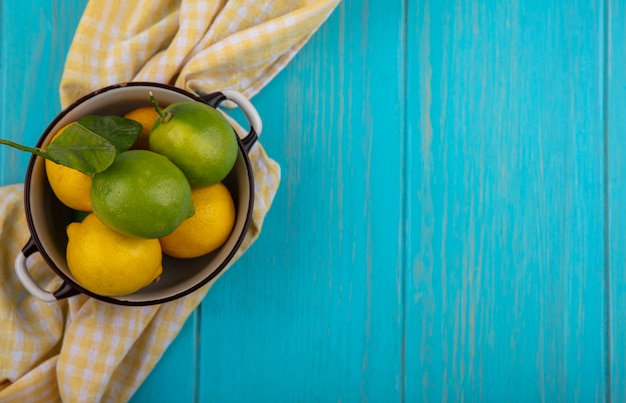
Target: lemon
(207,229)
(141,194)
(70,186)
(198,139)
(108,263)
(146,116)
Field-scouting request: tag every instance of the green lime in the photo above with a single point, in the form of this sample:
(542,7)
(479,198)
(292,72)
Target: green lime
(198,139)
(142,194)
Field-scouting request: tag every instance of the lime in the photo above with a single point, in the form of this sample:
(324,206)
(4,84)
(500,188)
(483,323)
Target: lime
(198,139)
(141,194)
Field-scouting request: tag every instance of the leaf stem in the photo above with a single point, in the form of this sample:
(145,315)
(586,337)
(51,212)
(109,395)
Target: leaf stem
(165,116)
(20,147)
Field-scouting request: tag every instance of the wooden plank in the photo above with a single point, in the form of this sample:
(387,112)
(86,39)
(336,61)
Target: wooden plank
(505,296)
(34,38)
(616,149)
(313,312)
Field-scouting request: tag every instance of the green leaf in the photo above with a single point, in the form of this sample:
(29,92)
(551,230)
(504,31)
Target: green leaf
(81,149)
(89,145)
(119,131)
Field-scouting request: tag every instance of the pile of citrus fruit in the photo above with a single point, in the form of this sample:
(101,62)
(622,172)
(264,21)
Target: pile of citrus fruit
(164,194)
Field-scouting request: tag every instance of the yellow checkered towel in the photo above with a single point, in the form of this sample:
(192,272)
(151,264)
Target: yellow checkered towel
(82,349)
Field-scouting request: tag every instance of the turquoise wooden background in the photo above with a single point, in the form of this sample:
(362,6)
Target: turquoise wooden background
(450,223)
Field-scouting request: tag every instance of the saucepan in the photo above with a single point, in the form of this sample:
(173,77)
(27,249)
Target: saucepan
(48,218)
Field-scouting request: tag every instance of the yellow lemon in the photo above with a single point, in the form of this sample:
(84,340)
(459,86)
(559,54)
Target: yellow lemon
(146,116)
(70,186)
(207,229)
(108,263)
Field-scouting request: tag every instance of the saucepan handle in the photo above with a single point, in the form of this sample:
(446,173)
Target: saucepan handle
(21,269)
(254,120)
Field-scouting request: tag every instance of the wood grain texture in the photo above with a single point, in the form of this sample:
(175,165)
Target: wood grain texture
(505,295)
(449,223)
(313,312)
(34,39)
(616,217)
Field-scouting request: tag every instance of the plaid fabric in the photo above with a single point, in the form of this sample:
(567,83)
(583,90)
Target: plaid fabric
(82,349)
(198,45)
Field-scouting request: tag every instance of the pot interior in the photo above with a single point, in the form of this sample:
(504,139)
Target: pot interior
(48,217)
